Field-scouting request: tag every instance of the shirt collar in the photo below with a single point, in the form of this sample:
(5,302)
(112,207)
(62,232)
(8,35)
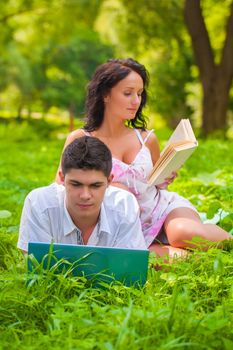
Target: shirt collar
(69,226)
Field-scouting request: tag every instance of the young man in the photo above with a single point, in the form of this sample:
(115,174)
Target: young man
(84,209)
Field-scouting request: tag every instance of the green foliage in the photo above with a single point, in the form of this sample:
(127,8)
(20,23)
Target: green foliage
(159,27)
(188,305)
(154,32)
(49,51)
(185,305)
(68,68)
(5,214)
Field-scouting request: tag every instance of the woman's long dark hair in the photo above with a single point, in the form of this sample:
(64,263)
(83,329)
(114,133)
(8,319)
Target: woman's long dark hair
(104,79)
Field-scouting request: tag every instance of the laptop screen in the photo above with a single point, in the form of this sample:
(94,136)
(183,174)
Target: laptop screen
(128,266)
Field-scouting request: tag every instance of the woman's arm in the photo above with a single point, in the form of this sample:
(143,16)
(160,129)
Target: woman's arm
(153,146)
(70,138)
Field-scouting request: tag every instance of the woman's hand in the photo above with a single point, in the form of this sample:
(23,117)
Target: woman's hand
(167,181)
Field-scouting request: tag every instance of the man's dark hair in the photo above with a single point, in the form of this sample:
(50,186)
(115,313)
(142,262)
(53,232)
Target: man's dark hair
(87,153)
(106,76)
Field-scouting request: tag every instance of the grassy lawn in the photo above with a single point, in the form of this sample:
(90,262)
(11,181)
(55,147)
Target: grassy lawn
(186,305)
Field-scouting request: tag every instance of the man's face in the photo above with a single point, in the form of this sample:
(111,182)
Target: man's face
(85,191)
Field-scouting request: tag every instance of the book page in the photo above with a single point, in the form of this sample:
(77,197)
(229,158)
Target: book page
(178,149)
(189,130)
(172,163)
(183,132)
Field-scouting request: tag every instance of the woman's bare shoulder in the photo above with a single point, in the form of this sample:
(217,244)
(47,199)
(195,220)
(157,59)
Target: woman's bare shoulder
(74,135)
(152,143)
(149,137)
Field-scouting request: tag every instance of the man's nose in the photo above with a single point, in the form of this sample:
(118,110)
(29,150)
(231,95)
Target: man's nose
(85,193)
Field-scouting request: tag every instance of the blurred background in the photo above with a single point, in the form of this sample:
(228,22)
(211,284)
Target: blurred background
(50,49)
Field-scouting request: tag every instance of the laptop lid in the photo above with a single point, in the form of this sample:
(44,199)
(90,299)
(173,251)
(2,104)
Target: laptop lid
(107,264)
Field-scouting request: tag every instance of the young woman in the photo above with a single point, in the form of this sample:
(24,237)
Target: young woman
(115,100)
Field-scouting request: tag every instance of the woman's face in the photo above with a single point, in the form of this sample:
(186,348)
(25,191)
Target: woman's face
(124,98)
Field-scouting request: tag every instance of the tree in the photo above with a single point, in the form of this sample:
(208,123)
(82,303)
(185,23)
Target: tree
(157,36)
(68,68)
(49,49)
(216,79)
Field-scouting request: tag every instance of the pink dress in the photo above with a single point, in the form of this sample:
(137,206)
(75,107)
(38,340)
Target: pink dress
(155,204)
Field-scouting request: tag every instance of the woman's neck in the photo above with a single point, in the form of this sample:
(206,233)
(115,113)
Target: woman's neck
(111,129)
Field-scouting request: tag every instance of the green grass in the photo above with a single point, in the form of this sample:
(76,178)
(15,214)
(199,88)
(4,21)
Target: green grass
(186,305)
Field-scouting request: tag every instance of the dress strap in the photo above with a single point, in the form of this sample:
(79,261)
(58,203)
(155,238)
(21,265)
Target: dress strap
(148,135)
(140,136)
(87,133)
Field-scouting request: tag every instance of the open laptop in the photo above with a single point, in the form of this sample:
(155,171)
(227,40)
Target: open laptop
(128,266)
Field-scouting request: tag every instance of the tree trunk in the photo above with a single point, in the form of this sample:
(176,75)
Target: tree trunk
(71,117)
(216,79)
(215,105)
(19,113)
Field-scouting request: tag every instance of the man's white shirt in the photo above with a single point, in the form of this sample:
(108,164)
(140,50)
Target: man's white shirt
(45,219)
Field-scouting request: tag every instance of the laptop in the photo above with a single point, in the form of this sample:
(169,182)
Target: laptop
(98,264)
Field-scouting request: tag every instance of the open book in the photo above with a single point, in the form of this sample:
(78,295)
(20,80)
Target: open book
(178,149)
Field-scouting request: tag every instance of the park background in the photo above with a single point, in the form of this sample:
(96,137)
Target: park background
(49,50)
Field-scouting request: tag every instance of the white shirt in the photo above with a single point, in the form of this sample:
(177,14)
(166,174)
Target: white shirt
(45,219)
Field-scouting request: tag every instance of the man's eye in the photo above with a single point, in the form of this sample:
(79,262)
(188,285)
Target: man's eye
(76,185)
(96,185)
